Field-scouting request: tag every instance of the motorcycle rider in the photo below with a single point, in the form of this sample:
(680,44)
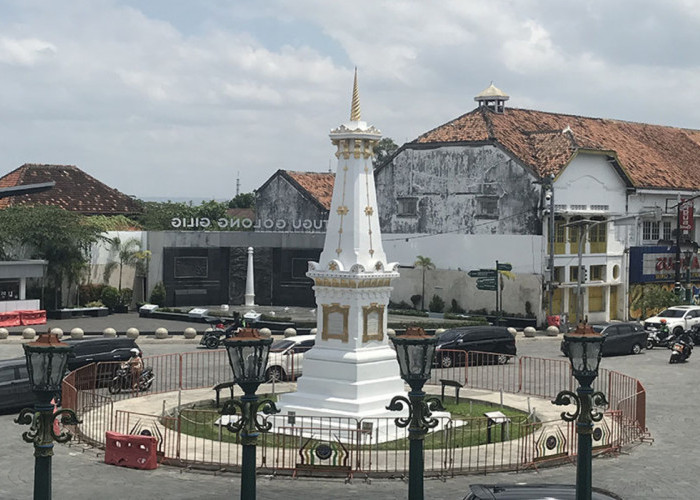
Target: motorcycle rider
(664,332)
(136,366)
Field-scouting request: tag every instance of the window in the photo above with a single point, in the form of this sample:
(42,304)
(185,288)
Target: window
(487,208)
(597,273)
(558,274)
(598,235)
(650,230)
(595,299)
(667,230)
(408,207)
(573,273)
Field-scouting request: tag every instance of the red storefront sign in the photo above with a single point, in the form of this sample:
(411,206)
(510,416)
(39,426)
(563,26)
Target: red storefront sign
(686,216)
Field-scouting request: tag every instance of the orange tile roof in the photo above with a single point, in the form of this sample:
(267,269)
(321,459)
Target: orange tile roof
(653,156)
(318,184)
(74,190)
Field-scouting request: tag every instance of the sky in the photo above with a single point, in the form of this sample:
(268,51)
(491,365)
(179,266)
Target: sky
(180,99)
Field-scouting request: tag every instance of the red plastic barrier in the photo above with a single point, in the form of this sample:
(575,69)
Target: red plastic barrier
(554,320)
(36,317)
(126,450)
(10,318)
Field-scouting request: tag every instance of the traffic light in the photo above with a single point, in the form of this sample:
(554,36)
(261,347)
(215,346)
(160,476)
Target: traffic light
(584,274)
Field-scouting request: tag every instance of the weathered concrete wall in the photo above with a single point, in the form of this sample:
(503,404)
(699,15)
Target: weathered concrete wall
(450,184)
(457,285)
(281,201)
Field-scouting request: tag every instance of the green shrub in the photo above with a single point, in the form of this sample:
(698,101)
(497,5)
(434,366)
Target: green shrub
(455,308)
(110,297)
(158,294)
(90,292)
(415,300)
(125,296)
(436,305)
(95,303)
(409,312)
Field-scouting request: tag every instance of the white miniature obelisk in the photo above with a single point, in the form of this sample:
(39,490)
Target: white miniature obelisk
(351,371)
(249,281)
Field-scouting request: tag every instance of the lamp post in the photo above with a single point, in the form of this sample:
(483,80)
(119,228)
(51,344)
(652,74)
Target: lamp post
(549,197)
(46,364)
(415,352)
(247,355)
(584,349)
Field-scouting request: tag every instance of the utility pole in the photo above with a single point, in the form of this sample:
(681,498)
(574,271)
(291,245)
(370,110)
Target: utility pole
(550,193)
(677,264)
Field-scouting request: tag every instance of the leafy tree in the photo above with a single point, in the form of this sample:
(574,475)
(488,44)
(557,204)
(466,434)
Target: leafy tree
(114,223)
(436,304)
(47,232)
(383,150)
(654,298)
(242,200)
(426,264)
(158,294)
(157,216)
(128,253)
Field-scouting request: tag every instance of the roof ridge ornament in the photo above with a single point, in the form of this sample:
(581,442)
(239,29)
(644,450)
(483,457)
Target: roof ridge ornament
(355,115)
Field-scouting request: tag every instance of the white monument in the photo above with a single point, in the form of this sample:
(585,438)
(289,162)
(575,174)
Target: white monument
(351,371)
(250,281)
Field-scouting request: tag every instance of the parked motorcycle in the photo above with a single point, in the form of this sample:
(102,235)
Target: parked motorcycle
(122,379)
(221,330)
(656,338)
(681,349)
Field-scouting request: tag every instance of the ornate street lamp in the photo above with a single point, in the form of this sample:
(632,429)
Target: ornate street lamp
(584,349)
(247,354)
(46,363)
(415,352)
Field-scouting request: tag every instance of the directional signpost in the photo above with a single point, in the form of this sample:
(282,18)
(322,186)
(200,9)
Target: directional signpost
(489,280)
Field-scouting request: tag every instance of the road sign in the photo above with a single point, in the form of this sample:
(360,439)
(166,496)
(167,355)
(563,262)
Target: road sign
(482,273)
(504,266)
(486,286)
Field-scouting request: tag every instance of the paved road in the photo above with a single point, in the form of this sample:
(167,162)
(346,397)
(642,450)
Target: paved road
(662,470)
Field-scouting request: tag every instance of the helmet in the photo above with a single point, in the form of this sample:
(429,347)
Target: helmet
(135,352)
(663,321)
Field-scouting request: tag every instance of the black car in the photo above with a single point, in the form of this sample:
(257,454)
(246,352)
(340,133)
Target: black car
(476,340)
(15,391)
(532,492)
(86,351)
(620,338)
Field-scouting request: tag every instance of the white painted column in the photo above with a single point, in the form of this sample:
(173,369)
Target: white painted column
(249,281)
(22,288)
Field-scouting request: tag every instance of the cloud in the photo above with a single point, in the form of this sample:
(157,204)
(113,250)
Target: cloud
(24,52)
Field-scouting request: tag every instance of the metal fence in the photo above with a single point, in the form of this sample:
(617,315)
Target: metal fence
(190,435)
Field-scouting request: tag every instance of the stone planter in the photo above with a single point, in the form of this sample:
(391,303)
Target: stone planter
(132,333)
(190,333)
(162,333)
(28,333)
(529,331)
(109,333)
(4,333)
(77,312)
(77,333)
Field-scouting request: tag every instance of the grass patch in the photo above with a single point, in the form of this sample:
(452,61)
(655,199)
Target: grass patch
(469,427)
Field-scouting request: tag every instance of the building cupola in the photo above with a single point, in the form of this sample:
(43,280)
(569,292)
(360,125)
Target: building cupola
(493,98)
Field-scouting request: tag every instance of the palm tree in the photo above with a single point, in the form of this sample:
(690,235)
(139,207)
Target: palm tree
(426,264)
(128,253)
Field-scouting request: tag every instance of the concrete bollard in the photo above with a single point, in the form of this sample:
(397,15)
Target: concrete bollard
(512,331)
(190,332)
(290,332)
(161,333)
(57,331)
(390,331)
(109,333)
(28,333)
(4,333)
(529,331)
(552,331)
(439,331)
(77,333)
(313,331)
(265,333)
(132,333)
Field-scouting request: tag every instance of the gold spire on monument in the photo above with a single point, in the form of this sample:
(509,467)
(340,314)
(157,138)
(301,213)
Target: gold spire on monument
(355,115)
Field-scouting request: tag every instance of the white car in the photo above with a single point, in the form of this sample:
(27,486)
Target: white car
(678,319)
(286,358)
